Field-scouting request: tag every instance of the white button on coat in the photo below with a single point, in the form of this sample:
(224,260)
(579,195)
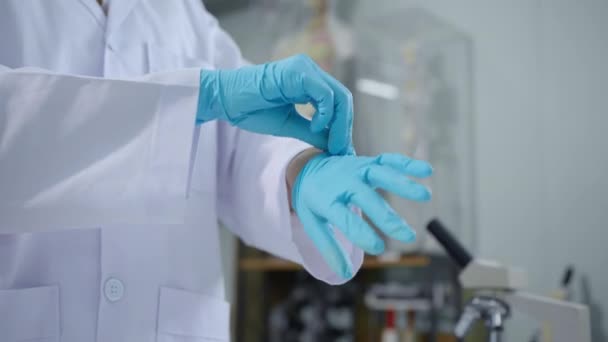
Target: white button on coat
(114,289)
(103,172)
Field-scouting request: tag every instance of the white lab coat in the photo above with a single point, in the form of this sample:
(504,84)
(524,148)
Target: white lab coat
(109,195)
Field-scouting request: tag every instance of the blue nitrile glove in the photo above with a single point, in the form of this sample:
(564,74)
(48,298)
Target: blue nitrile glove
(261,99)
(327,186)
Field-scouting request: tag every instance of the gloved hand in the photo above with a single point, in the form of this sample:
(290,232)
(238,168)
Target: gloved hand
(327,186)
(261,99)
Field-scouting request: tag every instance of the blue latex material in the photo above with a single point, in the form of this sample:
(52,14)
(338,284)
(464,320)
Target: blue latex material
(261,99)
(328,186)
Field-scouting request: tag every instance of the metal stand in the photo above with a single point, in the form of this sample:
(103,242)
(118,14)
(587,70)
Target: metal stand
(492,311)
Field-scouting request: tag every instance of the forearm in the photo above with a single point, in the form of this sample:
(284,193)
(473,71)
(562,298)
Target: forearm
(295,166)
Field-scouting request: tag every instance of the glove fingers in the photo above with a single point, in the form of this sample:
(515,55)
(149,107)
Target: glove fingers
(291,124)
(395,182)
(323,237)
(383,216)
(340,131)
(406,165)
(298,127)
(323,98)
(354,228)
(340,135)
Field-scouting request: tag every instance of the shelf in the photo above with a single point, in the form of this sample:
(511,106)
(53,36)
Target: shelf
(404,261)
(262,264)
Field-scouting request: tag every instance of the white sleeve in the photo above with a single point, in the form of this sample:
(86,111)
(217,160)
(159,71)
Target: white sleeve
(79,152)
(253,203)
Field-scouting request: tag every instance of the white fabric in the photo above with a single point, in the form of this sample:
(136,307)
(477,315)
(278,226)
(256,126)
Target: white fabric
(104,175)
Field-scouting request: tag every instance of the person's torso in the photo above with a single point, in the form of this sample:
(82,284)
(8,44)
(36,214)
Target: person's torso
(122,283)
(76,37)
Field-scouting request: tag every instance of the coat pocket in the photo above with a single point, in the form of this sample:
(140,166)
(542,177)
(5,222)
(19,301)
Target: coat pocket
(185,316)
(30,314)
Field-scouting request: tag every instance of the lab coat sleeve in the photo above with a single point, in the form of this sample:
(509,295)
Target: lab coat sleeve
(83,152)
(253,201)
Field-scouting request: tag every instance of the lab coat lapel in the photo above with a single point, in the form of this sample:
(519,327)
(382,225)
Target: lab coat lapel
(95,10)
(118,12)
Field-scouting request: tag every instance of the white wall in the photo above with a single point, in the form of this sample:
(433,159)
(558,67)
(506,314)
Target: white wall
(541,92)
(573,159)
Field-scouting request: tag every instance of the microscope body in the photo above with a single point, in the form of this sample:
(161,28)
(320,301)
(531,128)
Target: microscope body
(490,280)
(498,292)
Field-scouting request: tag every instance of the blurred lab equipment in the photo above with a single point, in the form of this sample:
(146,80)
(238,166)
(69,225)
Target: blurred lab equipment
(288,27)
(390,333)
(498,293)
(320,35)
(413,95)
(563,292)
(597,313)
(314,312)
(393,299)
(420,309)
(270,295)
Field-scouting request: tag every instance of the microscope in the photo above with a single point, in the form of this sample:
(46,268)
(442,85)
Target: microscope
(497,294)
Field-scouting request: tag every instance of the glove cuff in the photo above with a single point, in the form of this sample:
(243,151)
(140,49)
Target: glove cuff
(295,191)
(210,104)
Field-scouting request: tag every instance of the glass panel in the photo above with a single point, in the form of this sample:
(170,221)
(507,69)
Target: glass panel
(410,73)
(413,95)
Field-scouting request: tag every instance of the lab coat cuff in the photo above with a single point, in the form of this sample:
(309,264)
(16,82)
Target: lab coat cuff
(312,260)
(285,213)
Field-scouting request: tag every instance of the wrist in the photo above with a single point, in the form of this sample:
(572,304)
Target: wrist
(210,105)
(295,166)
